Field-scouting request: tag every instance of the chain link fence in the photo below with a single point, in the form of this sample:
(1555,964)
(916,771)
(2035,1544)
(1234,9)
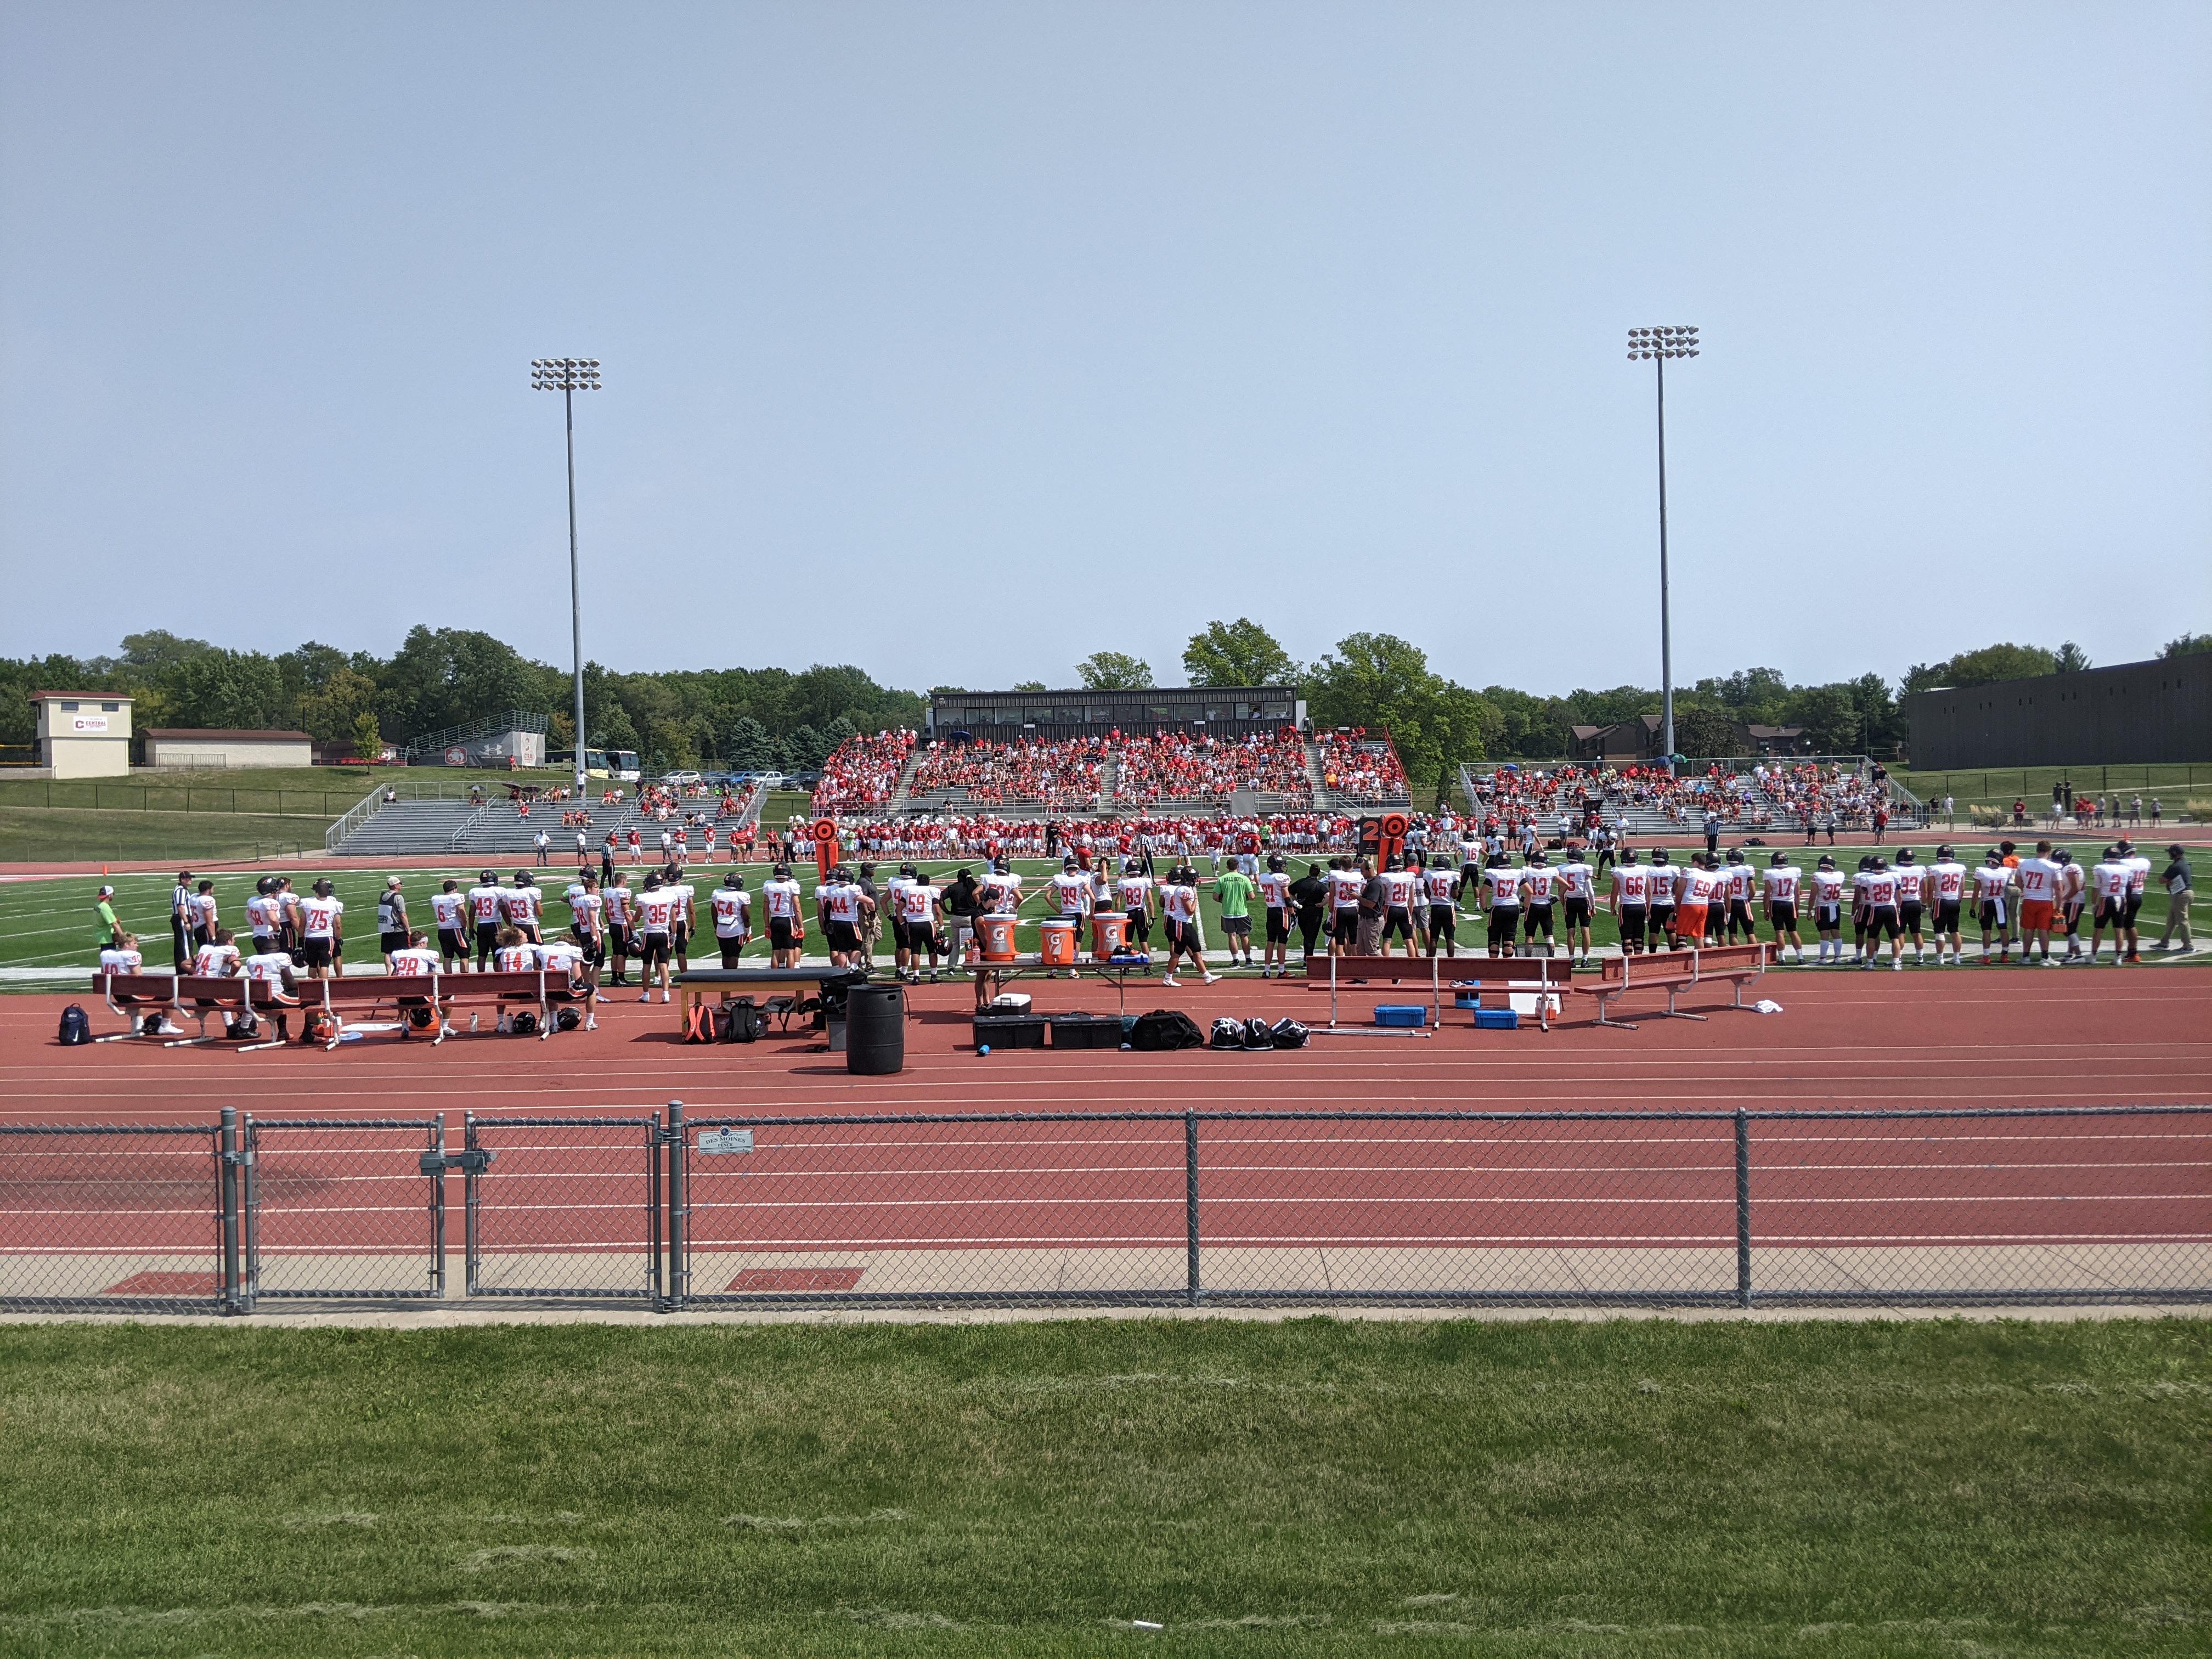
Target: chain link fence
(1129,1209)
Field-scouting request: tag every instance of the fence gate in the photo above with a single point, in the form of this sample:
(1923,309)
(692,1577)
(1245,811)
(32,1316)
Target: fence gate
(563,1206)
(344,1209)
(124,1218)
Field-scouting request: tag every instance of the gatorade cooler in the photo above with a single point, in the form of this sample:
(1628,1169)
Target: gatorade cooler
(997,934)
(1059,950)
(1109,932)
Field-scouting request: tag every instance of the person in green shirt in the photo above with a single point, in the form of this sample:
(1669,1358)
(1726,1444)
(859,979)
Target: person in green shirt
(1235,890)
(111,930)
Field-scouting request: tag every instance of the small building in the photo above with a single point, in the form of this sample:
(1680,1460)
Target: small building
(1778,740)
(83,735)
(181,746)
(1628,740)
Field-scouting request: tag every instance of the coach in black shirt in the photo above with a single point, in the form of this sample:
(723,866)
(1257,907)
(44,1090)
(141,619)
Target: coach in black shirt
(1309,892)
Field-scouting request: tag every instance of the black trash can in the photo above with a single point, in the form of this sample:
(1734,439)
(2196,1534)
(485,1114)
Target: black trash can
(875,1030)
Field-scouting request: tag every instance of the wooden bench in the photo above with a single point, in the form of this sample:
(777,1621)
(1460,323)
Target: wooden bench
(785,992)
(531,990)
(191,994)
(1674,972)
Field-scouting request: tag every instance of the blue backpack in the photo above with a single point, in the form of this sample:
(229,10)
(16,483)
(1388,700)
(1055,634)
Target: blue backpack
(76,1028)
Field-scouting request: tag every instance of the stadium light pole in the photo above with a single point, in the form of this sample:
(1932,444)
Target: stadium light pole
(569,376)
(1658,344)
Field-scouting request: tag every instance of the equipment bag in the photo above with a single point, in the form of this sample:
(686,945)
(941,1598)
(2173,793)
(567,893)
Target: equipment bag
(1257,1035)
(698,1023)
(741,1022)
(1287,1034)
(1164,1030)
(1227,1033)
(76,1028)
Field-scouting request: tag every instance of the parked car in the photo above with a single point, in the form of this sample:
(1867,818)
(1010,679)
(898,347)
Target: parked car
(680,779)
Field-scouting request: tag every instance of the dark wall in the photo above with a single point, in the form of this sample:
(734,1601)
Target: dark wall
(2140,711)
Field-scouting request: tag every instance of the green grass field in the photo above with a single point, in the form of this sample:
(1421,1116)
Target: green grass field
(40,834)
(2174,785)
(1633,1488)
(49,923)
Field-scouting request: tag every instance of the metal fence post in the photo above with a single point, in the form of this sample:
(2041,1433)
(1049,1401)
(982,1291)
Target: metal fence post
(227,1162)
(471,1260)
(680,1209)
(1190,1203)
(438,1207)
(1742,1207)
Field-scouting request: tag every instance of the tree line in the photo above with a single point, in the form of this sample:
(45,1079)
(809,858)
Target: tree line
(759,717)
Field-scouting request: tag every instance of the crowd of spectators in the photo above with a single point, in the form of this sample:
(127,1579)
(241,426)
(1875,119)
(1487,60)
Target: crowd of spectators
(1359,767)
(863,772)
(1176,767)
(1061,776)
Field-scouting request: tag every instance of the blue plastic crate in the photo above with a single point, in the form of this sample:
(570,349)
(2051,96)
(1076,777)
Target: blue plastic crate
(1497,1019)
(1402,1013)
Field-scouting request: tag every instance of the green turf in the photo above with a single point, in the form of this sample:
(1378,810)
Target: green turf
(293,790)
(48,922)
(48,833)
(2174,785)
(1634,1488)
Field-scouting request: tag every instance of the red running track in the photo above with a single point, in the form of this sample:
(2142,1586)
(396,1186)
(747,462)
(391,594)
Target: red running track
(1934,1038)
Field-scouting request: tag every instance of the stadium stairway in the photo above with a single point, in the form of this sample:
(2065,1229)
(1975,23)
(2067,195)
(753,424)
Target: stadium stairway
(407,826)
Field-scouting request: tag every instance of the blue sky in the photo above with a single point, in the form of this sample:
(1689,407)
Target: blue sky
(959,341)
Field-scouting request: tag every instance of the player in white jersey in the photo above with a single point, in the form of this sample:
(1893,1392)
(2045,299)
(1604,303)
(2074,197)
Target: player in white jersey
(1501,896)
(1539,888)
(1275,884)
(2138,884)
(217,958)
(523,908)
(1400,889)
(918,902)
(124,956)
(1631,900)
(273,968)
(656,908)
(571,975)
(1346,879)
(2041,879)
(1828,884)
(203,914)
(1879,894)
(1993,886)
(732,909)
(411,958)
(1577,898)
(486,901)
(1179,910)
(787,924)
(1779,883)
(2073,899)
(617,906)
(264,914)
(1946,892)
(1132,891)
(1740,879)
(687,922)
(1438,898)
(323,932)
(2108,887)
(1913,888)
(839,903)
(449,910)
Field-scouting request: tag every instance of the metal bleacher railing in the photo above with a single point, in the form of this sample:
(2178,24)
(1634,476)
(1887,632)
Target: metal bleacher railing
(1151,1208)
